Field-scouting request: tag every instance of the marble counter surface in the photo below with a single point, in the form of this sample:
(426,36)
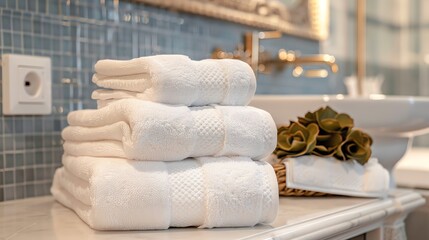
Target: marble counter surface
(298,218)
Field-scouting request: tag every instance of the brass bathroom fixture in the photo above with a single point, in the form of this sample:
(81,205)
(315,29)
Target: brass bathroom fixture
(262,61)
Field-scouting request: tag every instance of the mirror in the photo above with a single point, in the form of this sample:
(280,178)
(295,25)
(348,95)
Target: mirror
(304,18)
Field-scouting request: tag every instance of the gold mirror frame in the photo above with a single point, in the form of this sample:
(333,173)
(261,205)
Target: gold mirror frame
(306,18)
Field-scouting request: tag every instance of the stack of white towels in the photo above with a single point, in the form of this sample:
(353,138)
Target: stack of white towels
(172,144)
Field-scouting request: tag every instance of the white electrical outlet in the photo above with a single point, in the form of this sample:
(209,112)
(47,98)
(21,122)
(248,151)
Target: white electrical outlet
(26,84)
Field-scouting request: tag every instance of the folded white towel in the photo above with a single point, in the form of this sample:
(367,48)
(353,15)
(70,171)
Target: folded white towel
(142,130)
(176,79)
(103,103)
(329,175)
(120,194)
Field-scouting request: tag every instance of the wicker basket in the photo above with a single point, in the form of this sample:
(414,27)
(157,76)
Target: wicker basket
(280,170)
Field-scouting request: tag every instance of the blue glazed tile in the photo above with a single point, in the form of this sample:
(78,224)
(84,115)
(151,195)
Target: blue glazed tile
(22,4)
(56,62)
(7,39)
(46,28)
(8,125)
(28,125)
(27,25)
(38,158)
(28,41)
(48,173)
(19,142)
(32,5)
(29,174)
(27,51)
(17,40)
(56,28)
(65,9)
(39,173)
(8,144)
(65,29)
(38,144)
(57,140)
(29,159)
(1,179)
(56,46)
(56,74)
(1,190)
(9,193)
(53,7)
(47,44)
(37,42)
(8,177)
(95,13)
(29,190)
(74,9)
(16,24)
(18,125)
(1,162)
(19,160)
(11,4)
(48,125)
(41,6)
(58,155)
(19,176)
(47,187)
(47,141)
(17,51)
(57,125)
(7,12)
(10,160)
(47,157)
(83,11)
(37,26)
(67,61)
(19,192)
(38,125)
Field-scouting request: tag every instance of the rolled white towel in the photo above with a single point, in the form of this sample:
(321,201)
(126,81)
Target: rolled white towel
(328,175)
(176,79)
(143,130)
(120,194)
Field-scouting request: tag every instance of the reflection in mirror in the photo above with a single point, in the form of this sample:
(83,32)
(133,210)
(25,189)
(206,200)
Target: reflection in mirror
(305,18)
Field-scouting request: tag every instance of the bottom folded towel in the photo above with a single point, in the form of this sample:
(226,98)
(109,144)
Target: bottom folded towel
(120,194)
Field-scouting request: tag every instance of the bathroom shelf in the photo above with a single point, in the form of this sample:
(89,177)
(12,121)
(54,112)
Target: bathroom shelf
(298,218)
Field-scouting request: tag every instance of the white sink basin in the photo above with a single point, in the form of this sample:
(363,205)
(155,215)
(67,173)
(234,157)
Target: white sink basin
(392,121)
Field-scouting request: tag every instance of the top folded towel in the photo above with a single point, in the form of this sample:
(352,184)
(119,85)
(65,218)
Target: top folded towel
(176,79)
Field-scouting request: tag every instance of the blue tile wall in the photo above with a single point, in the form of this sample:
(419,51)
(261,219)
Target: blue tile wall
(75,34)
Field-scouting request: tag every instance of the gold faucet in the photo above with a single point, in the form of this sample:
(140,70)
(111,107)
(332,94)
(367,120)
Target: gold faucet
(252,47)
(285,57)
(249,51)
(262,61)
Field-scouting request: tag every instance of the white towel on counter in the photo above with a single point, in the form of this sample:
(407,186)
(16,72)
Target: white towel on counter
(120,194)
(142,130)
(176,79)
(329,175)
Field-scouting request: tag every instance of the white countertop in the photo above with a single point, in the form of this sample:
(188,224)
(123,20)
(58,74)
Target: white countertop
(309,218)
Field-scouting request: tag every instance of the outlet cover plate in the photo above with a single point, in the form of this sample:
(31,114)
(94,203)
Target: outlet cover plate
(26,85)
